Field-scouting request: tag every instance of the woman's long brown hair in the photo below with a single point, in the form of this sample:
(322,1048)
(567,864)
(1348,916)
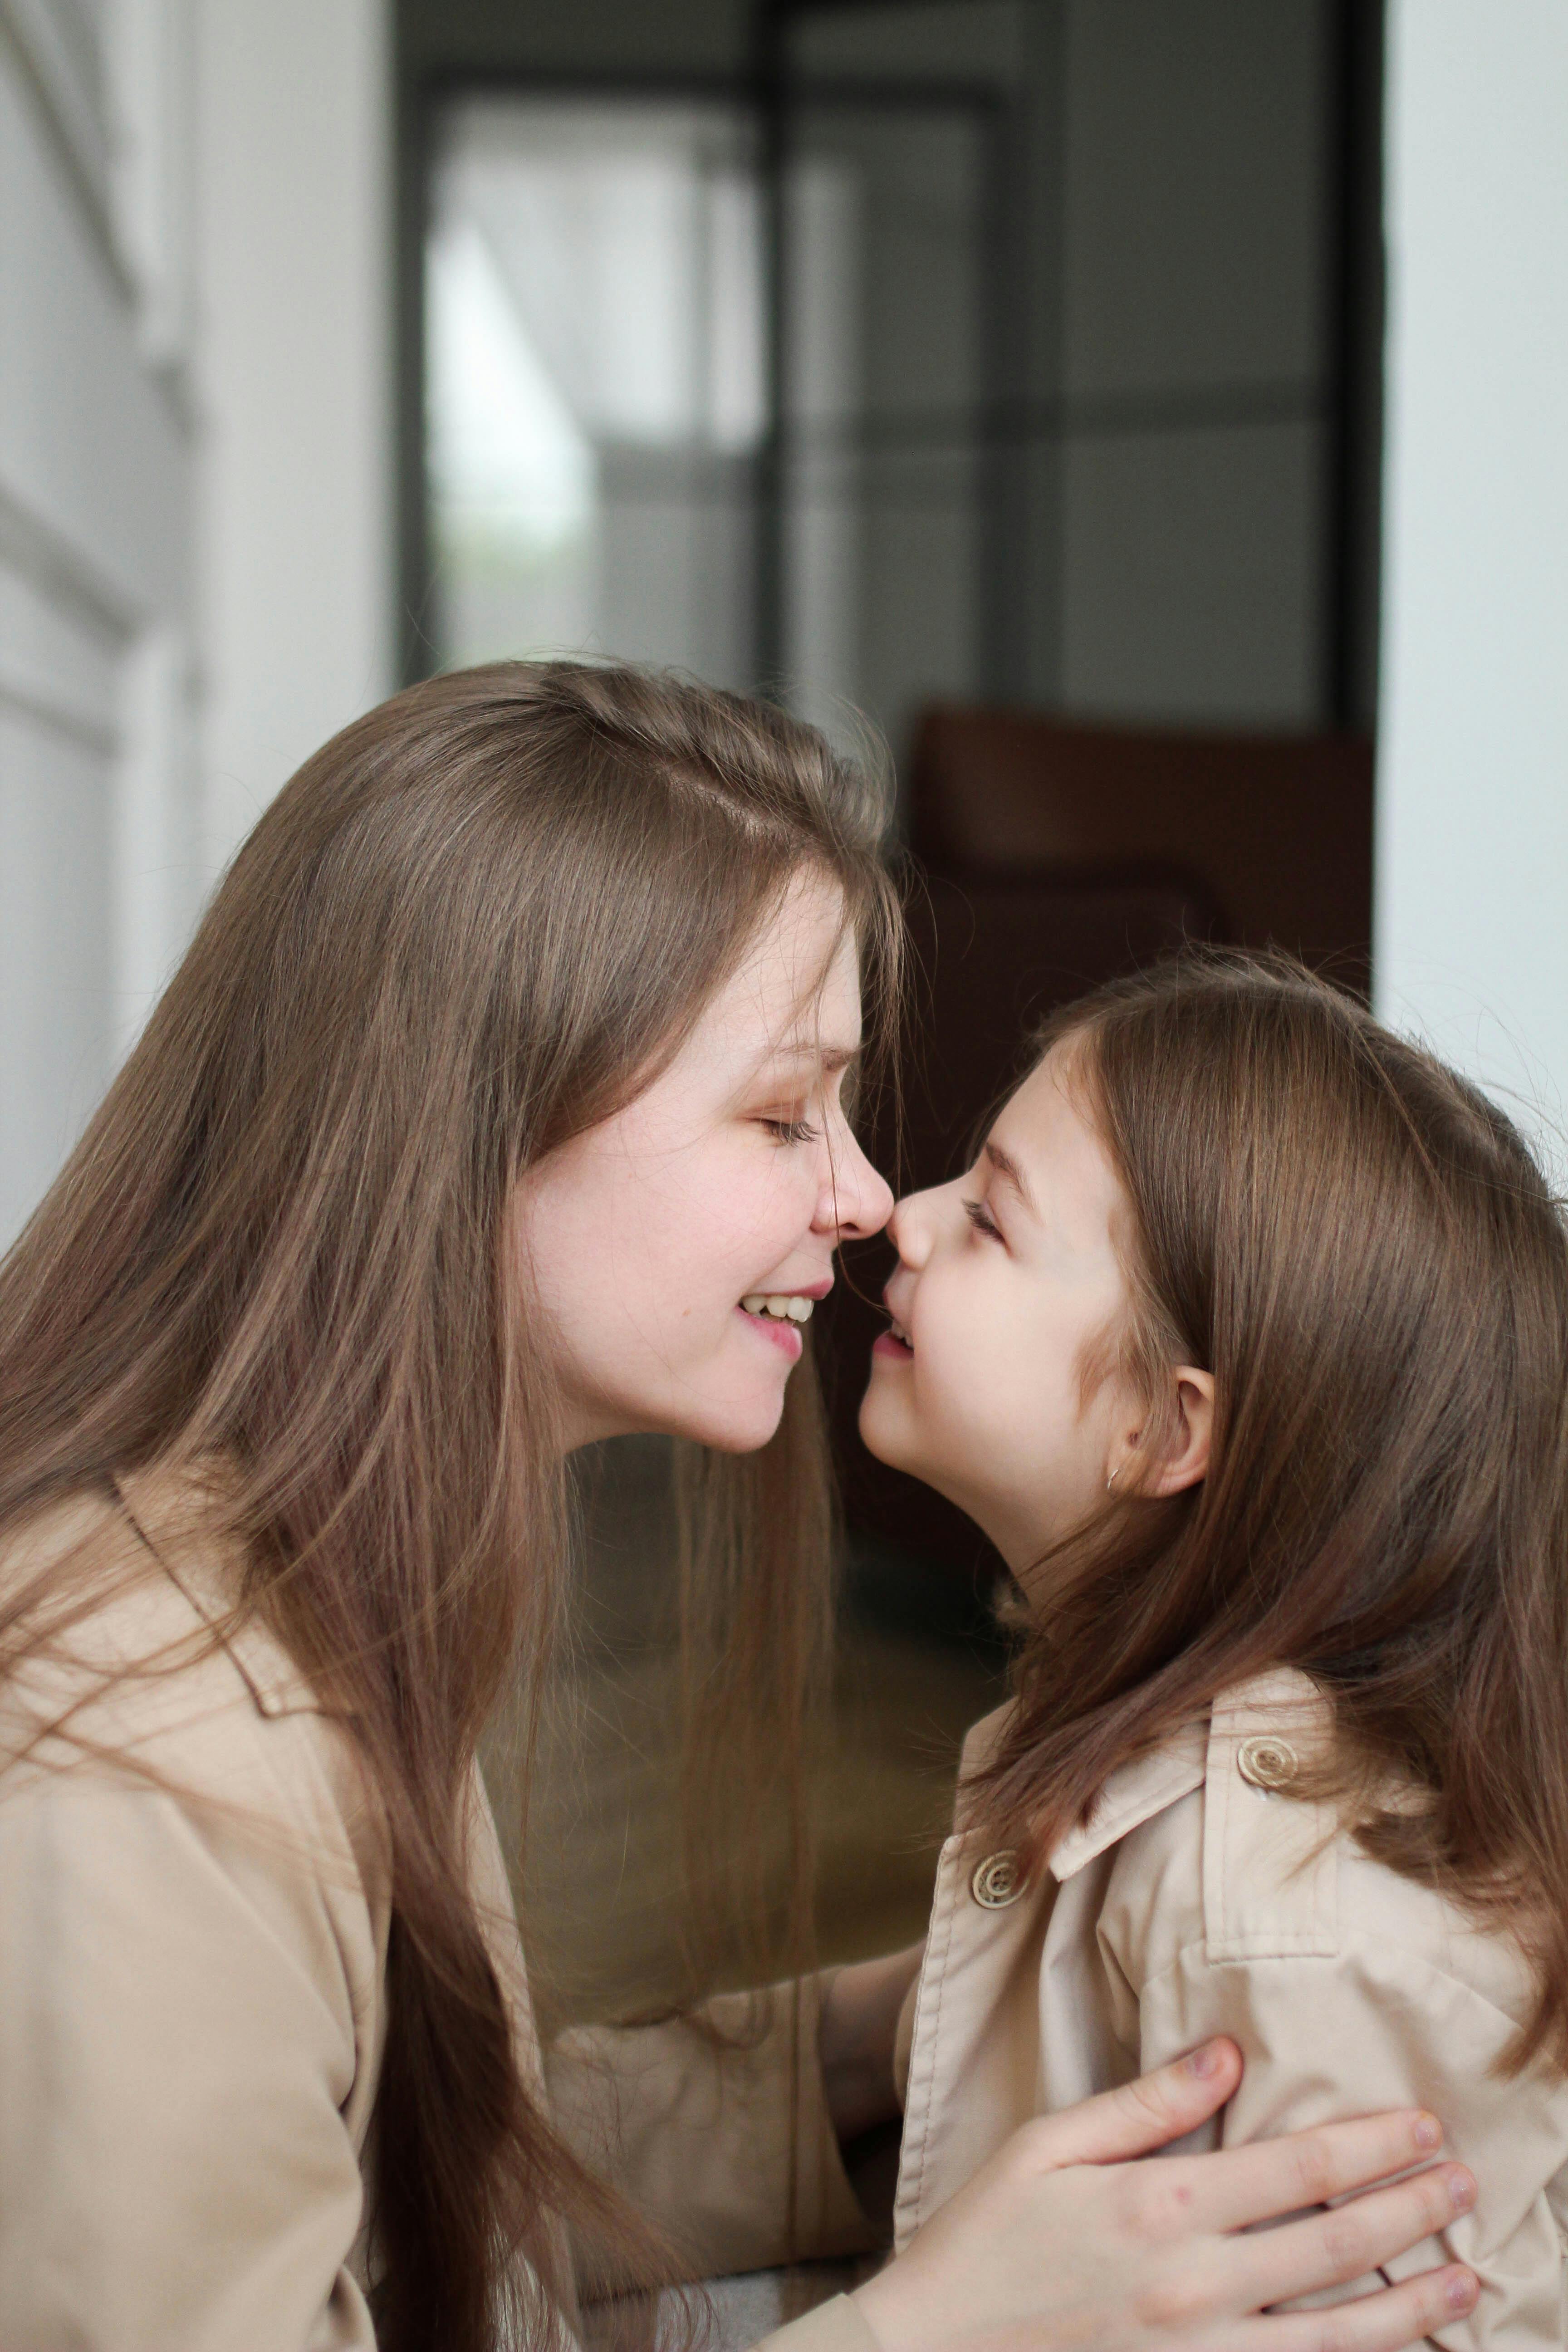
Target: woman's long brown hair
(470,927)
(1360,1248)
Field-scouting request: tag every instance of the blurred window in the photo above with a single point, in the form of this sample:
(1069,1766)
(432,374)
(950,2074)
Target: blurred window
(600,390)
(594,380)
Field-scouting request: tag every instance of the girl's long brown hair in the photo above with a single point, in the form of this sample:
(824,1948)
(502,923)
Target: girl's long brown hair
(1360,1248)
(470,927)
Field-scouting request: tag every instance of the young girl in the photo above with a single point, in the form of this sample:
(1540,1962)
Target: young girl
(1246,1338)
(496,1107)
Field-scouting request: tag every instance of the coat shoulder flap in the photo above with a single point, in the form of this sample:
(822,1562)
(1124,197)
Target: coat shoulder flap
(1271,1859)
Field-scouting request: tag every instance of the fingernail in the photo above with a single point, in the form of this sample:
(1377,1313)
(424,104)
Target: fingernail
(1461,2190)
(1462,2290)
(1428,2132)
(1208,2060)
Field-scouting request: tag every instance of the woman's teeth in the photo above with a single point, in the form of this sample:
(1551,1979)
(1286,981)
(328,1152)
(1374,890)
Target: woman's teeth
(782,1306)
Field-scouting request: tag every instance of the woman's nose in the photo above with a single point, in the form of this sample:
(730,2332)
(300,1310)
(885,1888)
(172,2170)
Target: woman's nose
(858,1203)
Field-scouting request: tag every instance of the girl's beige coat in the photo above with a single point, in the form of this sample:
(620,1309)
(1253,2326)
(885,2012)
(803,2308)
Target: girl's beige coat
(194,1914)
(1201,1899)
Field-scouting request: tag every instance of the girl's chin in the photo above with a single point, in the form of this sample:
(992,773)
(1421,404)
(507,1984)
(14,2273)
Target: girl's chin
(879,1433)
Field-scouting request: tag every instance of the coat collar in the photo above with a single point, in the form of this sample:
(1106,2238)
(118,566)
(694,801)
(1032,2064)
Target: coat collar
(1282,1697)
(1133,1795)
(180,1515)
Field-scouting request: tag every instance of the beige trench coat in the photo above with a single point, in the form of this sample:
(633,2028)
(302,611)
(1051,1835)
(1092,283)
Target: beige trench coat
(1201,1899)
(193,1945)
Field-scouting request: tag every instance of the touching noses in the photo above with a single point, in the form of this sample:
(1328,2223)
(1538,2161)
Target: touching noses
(855,1200)
(910,1229)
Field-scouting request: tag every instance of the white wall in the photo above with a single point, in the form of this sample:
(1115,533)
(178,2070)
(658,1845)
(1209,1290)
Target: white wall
(295,569)
(1472,850)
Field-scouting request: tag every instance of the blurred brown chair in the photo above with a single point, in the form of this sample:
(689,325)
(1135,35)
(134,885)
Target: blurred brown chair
(1277,829)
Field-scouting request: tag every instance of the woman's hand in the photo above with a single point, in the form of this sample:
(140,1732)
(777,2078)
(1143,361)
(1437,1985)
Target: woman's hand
(859,2018)
(1061,2242)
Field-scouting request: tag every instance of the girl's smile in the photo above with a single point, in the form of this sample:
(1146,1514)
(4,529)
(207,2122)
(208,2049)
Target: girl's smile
(894,1345)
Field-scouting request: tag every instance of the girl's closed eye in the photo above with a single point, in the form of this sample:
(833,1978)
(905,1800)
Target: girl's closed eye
(980,1217)
(790,1131)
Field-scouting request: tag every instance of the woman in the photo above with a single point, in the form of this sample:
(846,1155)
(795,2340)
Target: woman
(498,1107)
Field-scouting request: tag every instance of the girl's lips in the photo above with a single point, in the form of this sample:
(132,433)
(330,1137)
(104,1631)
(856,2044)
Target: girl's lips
(783,1335)
(891,1350)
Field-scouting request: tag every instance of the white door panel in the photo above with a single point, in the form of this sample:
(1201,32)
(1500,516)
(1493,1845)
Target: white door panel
(91,440)
(97,832)
(56,981)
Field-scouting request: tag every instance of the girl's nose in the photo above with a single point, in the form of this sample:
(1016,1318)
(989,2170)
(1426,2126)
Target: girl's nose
(910,1229)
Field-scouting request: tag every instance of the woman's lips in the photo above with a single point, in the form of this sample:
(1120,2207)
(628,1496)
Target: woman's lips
(786,1335)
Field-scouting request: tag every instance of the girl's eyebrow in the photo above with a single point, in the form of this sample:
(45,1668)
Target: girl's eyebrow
(1008,1169)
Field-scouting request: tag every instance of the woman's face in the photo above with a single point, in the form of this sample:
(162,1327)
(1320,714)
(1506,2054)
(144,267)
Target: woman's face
(676,1249)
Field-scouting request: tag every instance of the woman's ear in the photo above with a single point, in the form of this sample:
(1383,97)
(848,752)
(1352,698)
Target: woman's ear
(1185,1459)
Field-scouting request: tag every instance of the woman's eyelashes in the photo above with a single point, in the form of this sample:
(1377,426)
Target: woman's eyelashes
(980,1217)
(793,1123)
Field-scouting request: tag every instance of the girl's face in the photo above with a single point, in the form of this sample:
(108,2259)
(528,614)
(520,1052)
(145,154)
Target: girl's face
(1005,1281)
(676,1249)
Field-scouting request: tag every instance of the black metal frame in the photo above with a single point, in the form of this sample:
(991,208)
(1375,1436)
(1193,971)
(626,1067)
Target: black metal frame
(1356,327)
(780,94)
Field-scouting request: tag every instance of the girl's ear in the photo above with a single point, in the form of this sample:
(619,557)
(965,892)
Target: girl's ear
(1185,1459)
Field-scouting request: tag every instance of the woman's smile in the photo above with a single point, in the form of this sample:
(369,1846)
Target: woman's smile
(778,1332)
(779,1314)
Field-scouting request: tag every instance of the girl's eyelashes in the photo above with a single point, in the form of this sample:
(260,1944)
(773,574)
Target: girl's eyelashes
(980,1217)
(790,1131)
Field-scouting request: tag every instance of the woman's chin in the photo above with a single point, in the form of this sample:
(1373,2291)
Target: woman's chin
(734,1425)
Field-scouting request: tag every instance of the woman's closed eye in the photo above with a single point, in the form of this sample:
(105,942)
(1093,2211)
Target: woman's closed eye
(980,1217)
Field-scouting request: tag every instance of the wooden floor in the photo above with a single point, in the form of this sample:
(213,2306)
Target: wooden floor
(597,1897)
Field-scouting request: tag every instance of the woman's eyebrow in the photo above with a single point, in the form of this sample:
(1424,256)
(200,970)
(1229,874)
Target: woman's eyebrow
(1010,1172)
(829,1059)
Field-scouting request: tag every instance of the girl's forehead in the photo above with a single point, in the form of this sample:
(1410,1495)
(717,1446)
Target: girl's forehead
(1050,1105)
(1047,1131)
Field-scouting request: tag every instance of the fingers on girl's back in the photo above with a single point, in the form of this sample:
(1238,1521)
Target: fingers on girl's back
(1352,2241)
(1270,2178)
(1385,2321)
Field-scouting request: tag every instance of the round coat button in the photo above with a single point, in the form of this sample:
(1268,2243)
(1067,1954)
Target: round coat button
(1268,1762)
(996,1881)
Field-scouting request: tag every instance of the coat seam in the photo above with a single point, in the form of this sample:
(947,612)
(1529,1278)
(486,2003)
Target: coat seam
(928,2088)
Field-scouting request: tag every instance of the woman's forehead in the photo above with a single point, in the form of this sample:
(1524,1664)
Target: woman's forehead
(796,992)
